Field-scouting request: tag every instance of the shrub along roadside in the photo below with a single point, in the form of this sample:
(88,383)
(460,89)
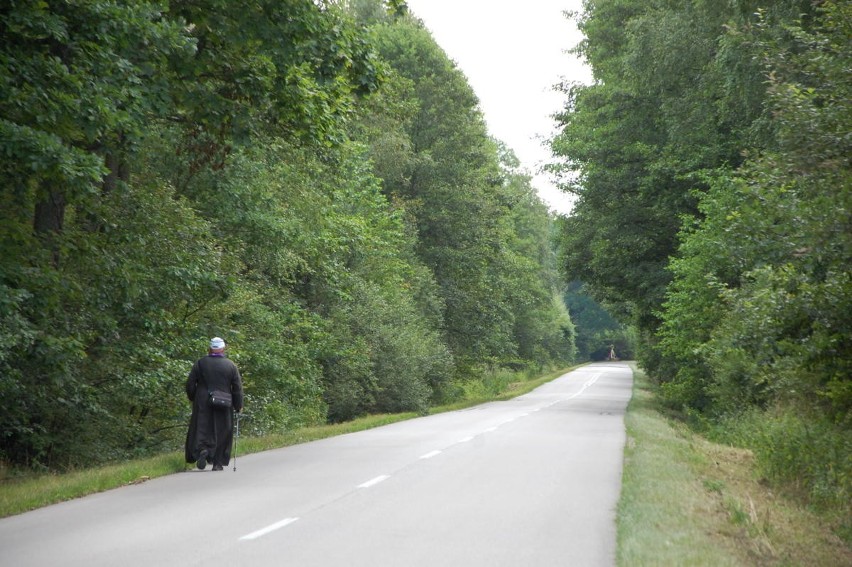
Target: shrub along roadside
(687,501)
(19,494)
(804,455)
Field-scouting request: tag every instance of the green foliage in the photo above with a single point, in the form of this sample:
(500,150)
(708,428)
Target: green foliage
(287,68)
(804,453)
(711,160)
(253,171)
(671,100)
(596,328)
(480,229)
(121,273)
(103,326)
(773,248)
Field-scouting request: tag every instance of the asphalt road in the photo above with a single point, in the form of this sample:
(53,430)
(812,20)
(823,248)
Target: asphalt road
(532,481)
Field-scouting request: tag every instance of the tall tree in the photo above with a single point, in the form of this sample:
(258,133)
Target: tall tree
(755,333)
(95,275)
(669,101)
(453,192)
(773,245)
(253,170)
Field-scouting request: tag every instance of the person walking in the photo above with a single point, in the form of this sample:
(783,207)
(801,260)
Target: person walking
(208,440)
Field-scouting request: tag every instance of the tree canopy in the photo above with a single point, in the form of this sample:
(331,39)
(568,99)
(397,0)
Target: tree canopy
(312,181)
(711,161)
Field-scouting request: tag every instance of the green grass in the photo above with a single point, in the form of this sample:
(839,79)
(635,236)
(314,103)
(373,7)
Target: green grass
(22,493)
(27,493)
(687,501)
(664,511)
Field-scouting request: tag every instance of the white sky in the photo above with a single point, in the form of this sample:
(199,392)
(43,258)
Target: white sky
(512,53)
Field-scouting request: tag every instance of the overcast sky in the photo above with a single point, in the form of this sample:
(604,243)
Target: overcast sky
(512,53)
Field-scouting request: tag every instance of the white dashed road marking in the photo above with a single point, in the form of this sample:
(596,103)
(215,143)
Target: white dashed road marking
(429,455)
(270,528)
(374,481)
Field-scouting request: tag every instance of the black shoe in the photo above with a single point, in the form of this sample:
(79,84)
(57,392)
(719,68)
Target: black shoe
(202,460)
(217,467)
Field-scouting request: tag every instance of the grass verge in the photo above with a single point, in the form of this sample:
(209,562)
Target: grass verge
(21,494)
(687,501)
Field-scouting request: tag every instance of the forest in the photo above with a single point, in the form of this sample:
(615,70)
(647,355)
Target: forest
(313,181)
(710,158)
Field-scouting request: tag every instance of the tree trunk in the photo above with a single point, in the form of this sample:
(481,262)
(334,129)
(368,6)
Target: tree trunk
(50,214)
(49,220)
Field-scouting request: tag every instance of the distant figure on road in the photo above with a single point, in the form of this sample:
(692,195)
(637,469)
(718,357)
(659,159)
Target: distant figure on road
(215,388)
(611,355)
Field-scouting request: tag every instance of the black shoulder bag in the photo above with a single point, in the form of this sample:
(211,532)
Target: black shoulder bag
(220,399)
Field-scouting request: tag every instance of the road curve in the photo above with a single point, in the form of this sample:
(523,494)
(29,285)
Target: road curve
(527,482)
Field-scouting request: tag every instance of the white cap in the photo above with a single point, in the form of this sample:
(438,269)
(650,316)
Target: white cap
(217,343)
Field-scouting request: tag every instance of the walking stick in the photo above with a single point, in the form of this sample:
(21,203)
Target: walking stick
(236,435)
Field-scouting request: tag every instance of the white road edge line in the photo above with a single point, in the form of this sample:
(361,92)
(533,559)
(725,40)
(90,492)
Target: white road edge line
(465,439)
(430,454)
(374,481)
(270,528)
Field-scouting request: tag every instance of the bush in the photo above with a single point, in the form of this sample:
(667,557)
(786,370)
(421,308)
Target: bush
(805,453)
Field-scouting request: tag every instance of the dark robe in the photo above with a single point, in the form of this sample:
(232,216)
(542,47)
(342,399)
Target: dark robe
(211,427)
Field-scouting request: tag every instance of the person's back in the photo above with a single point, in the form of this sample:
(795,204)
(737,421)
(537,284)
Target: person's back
(208,440)
(219,373)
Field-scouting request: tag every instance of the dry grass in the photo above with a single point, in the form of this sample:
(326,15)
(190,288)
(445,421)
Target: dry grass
(767,528)
(687,501)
